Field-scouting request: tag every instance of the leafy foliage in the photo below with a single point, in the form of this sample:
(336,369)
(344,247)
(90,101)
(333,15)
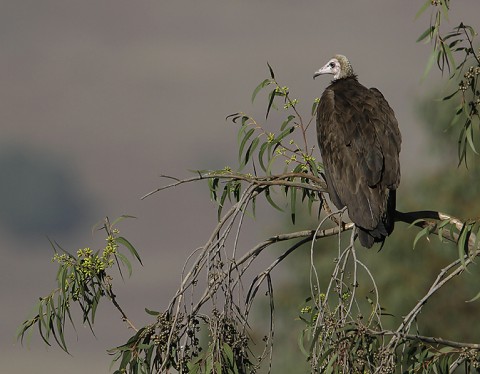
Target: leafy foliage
(83,280)
(449,48)
(267,149)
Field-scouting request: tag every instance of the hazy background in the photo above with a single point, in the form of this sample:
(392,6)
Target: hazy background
(98,98)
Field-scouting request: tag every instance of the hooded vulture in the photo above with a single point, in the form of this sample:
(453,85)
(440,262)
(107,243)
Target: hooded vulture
(359,142)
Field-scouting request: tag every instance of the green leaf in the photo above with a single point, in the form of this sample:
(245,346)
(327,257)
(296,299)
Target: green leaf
(284,133)
(441,227)
(121,240)
(462,243)
(286,122)
(269,199)
(301,338)
(225,193)
(429,65)
(469,135)
(228,352)
(242,144)
(331,362)
(293,201)
(250,150)
(271,71)
(475,298)
(315,106)
(62,343)
(451,95)
(125,261)
(313,167)
(427,33)
(121,218)
(209,365)
(424,232)
(243,128)
(236,191)
(261,152)
(62,278)
(213,185)
(127,355)
(271,98)
(270,164)
(445,9)
(152,312)
(263,84)
(450,58)
(423,8)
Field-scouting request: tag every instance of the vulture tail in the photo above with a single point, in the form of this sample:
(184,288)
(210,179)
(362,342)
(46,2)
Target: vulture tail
(384,228)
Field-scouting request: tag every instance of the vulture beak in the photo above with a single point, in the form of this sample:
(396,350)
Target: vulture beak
(320,72)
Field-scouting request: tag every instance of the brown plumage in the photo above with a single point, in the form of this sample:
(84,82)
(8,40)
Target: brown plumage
(360,143)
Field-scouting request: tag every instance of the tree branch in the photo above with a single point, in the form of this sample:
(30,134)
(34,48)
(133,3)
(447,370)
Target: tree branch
(429,218)
(425,339)
(271,180)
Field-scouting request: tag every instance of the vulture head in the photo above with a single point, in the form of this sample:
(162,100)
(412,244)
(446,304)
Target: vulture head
(338,66)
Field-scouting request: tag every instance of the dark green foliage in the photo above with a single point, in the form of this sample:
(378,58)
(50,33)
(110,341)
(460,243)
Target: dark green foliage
(448,49)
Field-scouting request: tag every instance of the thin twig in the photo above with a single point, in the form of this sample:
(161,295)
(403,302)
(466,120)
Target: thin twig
(113,299)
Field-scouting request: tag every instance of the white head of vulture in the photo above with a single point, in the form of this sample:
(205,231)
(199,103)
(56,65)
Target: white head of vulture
(360,143)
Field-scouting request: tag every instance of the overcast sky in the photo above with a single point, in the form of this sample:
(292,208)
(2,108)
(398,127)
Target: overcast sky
(98,98)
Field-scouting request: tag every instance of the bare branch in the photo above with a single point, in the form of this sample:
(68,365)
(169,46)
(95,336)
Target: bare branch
(426,339)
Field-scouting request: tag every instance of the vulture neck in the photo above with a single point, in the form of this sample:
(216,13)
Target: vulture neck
(346,79)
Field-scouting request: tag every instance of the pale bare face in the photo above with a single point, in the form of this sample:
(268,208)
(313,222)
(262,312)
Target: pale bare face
(331,67)
(338,66)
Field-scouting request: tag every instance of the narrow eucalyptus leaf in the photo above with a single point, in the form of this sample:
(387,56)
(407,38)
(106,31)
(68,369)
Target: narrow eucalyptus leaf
(475,298)
(121,240)
(125,261)
(293,201)
(424,7)
(263,84)
(251,149)
(271,97)
(284,133)
(429,65)
(445,9)
(271,71)
(314,107)
(152,312)
(233,116)
(270,164)
(462,239)
(261,152)
(286,122)
(421,234)
(269,199)
(427,33)
(225,193)
(244,141)
(469,134)
(448,97)
(121,218)
(228,352)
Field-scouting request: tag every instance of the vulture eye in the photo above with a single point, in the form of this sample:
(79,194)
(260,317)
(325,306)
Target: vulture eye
(331,64)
